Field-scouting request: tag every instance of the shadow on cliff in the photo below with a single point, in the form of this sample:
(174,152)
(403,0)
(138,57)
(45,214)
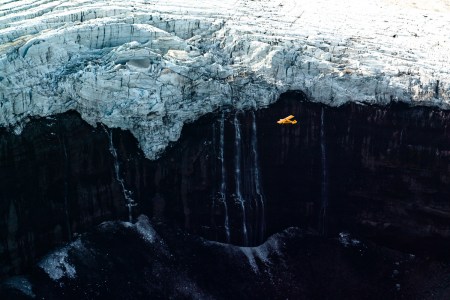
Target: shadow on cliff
(381,173)
(120,260)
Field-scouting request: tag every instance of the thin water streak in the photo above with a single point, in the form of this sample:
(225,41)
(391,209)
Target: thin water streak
(223,184)
(240,200)
(130,203)
(66,186)
(257,180)
(324,185)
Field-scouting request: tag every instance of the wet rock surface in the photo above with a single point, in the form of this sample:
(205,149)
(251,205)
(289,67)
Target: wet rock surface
(56,180)
(379,171)
(376,175)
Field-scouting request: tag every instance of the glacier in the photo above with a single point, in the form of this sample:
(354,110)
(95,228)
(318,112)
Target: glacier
(152,66)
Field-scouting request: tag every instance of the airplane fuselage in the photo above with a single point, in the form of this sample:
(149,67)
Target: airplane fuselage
(287,120)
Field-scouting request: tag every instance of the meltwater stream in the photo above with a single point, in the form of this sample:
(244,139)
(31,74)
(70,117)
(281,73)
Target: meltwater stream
(130,203)
(238,179)
(223,182)
(324,183)
(239,175)
(259,198)
(66,186)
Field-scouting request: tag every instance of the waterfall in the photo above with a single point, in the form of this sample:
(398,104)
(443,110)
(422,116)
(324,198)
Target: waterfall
(324,186)
(401,137)
(257,182)
(66,186)
(238,179)
(214,194)
(223,184)
(130,203)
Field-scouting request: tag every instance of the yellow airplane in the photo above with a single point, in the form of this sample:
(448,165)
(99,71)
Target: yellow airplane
(287,120)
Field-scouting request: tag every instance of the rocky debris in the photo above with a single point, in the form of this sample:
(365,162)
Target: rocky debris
(152,66)
(115,260)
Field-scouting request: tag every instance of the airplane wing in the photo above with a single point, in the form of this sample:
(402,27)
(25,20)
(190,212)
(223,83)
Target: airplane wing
(287,120)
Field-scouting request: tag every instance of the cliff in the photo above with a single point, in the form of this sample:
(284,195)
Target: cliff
(381,174)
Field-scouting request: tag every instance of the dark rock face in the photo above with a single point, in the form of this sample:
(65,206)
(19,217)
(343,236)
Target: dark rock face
(381,173)
(56,180)
(389,176)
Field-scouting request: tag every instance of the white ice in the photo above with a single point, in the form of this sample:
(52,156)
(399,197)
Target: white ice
(152,66)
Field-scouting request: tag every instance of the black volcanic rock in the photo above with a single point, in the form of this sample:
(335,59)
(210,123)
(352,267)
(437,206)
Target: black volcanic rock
(56,180)
(118,260)
(380,173)
(387,171)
